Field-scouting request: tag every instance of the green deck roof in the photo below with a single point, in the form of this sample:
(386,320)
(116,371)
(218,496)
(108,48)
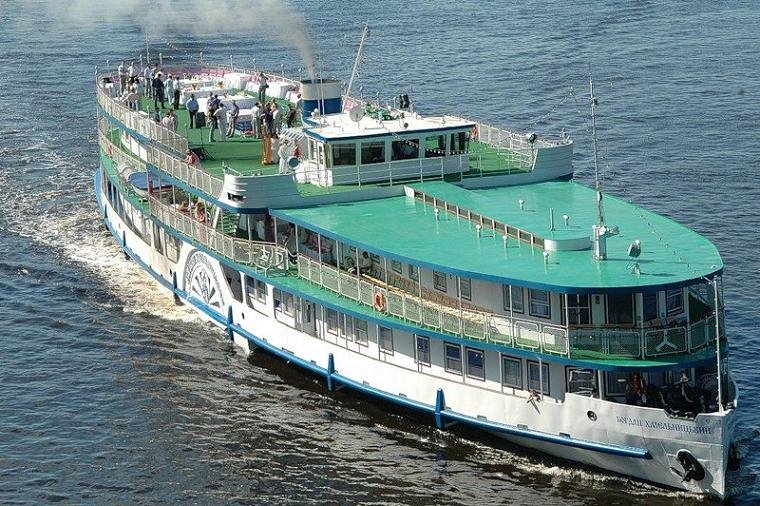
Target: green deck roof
(405,229)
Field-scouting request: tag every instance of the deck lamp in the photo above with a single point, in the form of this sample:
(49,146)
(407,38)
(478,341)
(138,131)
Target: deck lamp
(566,219)
(521,202)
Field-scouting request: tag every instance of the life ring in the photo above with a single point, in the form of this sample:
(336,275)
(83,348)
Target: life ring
(474,132)
(379,301)
(200,212)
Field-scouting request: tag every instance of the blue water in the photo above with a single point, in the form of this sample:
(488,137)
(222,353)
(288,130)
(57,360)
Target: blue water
(110,392)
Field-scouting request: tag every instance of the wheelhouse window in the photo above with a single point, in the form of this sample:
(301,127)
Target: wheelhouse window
(476,366)
(459,143)
(385,339)
(674,301)
(422,349)
(360,329)
(513,298)
(439,281)
(343,154)
(396,267)
(435,145)
(649,306)
(465,288)
(332,321)
(452,358)
(540,303)
(620,309)
(581,381)
(405,149)
(537,375)
(511,372)
(579,309)
(414,272)
(373,152)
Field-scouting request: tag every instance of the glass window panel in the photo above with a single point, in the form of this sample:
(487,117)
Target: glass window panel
(343,154)
(373,152)
(674,301)
(423,350)
(540,303)
(332,321)
(360,327)
(453,358)
(650,309)
(535,377)
(439,281)
(466,288)
(385,339)
(435,145)
(476,367)
(405,149)
(517,299)
(511,372)
(620,309)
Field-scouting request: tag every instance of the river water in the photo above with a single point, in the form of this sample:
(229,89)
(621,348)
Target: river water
(109,392)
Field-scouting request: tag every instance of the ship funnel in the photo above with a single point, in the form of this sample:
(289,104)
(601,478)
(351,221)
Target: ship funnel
(323,95)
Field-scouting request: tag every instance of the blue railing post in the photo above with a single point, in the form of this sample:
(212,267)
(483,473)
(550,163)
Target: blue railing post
(330,372)
(174,288)
(440,405)
(229,323)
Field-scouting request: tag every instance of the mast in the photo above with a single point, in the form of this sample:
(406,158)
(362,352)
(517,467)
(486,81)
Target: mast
(365,34)
(597,182)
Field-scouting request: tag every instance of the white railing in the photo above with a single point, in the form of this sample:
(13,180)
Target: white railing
(479,326)
(260,255)
(119,156)
(141,123)
(194,176)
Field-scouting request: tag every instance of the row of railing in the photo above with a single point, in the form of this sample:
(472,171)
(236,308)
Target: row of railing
(141,123)
(262,256)
(490,328)
(508,138)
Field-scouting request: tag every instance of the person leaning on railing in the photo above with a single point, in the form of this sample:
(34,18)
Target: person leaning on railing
(191,158)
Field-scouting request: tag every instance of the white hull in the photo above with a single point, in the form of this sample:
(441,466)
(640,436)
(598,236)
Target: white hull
(630,440)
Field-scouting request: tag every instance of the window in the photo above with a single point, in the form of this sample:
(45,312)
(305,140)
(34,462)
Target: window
(674,301)
(650,308)
(385,339)
(476,367)
(277,298)
(332,321)
(511,372)
(616,383)
(257,290)
(579,309)
(536,376)
(453,358)
(360,329)
(405,149)
(344,154)
(396,266)
(581,381)
(287,302)
(435,145)
(459,143)
(414,273)
(261,291)
(620,309)
(513,298)
(540,304)
(465,288)
(439,281)
(346,326)
(423,350)
(373,152)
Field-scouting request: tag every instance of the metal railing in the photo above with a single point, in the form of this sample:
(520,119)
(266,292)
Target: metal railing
(194,176)
(141,123)
(475,325)
(262,256)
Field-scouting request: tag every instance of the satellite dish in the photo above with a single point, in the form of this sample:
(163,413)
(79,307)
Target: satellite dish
(356,113)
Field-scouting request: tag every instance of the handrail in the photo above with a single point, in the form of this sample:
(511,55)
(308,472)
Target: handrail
(517,138)
(262,256)
(486,327)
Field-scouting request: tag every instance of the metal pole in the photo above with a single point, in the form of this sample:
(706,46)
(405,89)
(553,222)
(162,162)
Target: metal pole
(717,343)
(597,183)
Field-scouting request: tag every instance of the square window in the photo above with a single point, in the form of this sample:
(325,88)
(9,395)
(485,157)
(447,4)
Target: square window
(581,381)
(511,372)
(620,309)
(579,309)
(373,152)
(344,154)
(453,358)
(513,298)
(465,288)
(674,301)
(360,329)
(537,376)
(414,272)
(385,339)
(435,145)
(261,291)
(396,266)
(332,321)
(423,350)
(540,303)
(649,306)
(405,149)
(476,367)
(439,281)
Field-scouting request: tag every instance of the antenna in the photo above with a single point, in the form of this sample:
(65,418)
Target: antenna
(365,34)
(597,183)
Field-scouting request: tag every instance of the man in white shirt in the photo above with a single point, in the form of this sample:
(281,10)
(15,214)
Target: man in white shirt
(277,117)
(122,70)
(169,88)
(256,120)
(221,120)
(132,70)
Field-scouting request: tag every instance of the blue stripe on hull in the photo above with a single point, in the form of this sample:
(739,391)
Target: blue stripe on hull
(618,450)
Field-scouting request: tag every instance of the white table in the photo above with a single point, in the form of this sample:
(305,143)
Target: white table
(200,93)
(236,80)
(243,101)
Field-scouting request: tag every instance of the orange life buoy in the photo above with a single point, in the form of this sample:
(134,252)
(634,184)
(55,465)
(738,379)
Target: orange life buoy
(200,212)
(379,301)
(474,132)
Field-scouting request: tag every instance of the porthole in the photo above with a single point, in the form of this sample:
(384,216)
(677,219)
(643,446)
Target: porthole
(591,415)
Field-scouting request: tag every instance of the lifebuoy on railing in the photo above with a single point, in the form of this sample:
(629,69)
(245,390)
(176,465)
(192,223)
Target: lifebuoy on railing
(474,132)
(379,301)
(200,212)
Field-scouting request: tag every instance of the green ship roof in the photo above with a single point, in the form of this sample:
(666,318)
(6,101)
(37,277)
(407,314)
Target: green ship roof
(405,229)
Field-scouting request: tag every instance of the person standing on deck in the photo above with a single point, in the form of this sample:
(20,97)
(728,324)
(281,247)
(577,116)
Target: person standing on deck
(211,117)
(290,118)
(147,79)
(132,71)
(221,120)
(169,88)
(263,85)
(276,118)
(266,152)
(268,121)
(275,148)
(283,152)
(176,92)
(234,115)
(192,109)
(122,71)
(158,91)
(256,120)
(299,104)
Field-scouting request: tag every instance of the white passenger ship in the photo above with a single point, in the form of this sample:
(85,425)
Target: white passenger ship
(435,262)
